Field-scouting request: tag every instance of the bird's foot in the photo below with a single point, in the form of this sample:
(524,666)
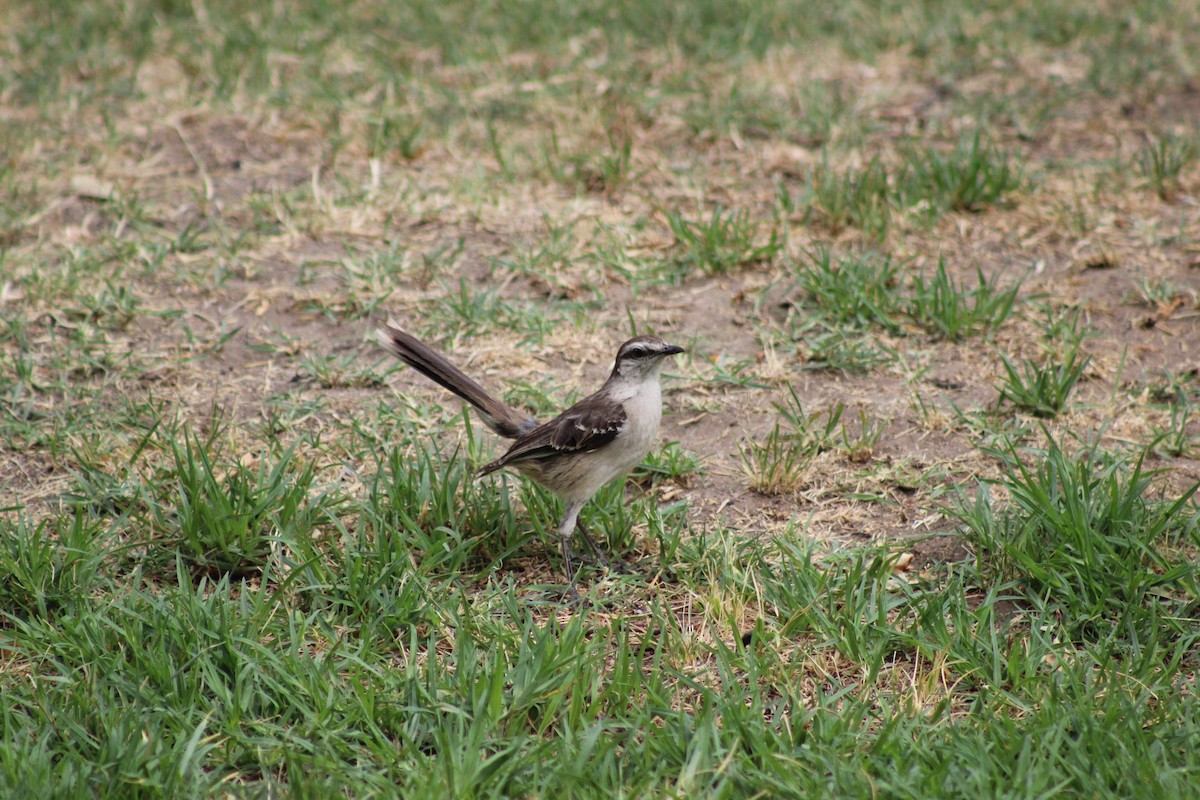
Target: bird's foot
(599,558)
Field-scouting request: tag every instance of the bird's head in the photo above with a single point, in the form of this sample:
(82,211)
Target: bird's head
(642,357)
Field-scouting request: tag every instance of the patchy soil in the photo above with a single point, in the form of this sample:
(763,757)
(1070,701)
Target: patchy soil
(266,232)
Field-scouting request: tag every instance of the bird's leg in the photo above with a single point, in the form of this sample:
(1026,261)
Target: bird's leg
(572,593)
(614,563)
(565,529)
(570,524)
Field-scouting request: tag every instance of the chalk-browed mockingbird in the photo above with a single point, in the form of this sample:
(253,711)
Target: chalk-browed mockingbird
(600,438)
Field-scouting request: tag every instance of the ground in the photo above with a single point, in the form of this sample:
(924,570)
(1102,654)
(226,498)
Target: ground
(206,223)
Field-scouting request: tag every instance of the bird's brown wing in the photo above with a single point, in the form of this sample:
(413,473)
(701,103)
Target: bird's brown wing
(582,428)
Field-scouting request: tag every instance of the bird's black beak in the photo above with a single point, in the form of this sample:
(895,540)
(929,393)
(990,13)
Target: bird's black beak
(673,349)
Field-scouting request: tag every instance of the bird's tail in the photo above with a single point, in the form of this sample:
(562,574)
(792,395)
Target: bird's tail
(433,365)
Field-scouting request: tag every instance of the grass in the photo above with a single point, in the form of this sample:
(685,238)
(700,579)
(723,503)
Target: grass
(838,350)
(971,177)
(1177,435)
(927,185)
(854,198)
(603,172)
(1160,164)
(782,462)
(723,241)
(227,523)
(1042,389)
(1084,538)
(953,312)
(243,554)
(850,291)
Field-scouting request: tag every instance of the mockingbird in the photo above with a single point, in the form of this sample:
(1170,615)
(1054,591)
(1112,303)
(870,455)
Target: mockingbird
(600,438)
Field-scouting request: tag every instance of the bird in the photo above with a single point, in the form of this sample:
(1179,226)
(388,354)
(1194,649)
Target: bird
(595,441)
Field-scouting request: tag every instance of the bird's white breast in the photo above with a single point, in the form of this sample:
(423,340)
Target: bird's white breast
(584,476)
(643,412)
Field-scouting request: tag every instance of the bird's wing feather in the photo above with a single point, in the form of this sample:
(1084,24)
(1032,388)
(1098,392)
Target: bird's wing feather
(582,428)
